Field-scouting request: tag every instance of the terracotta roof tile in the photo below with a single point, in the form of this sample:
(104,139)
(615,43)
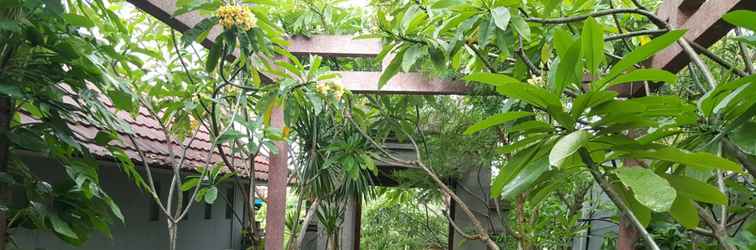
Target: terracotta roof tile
(152,142)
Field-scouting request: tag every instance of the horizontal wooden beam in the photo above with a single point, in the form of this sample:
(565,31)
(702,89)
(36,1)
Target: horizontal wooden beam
(402,83)
(325,45)
(334,46)
(703,22)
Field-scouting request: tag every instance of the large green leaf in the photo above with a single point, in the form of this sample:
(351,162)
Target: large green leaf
(592,45)
(653,75)
(496,120)
(410,56)
(62,227)
(648,188)
(696,190)
(514,167)
(684,211)
(501,17)
(568,68)
(567,146)
(700,160)
(211,195)
(742,18)
(590,100)
(642,53)
(524,179)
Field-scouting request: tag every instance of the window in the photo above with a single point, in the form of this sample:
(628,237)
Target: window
(229,203)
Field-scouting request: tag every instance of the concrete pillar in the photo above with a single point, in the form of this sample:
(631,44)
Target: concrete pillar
(473,188)
(349,237)
(311,236)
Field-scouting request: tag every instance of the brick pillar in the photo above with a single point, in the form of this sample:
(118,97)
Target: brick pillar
(274,227)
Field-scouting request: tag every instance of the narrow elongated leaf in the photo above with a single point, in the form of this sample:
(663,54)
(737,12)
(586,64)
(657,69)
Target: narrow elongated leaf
(562,41)
(700,160)
(648,188)
(392,69)
(653,75)
(568,68)
(213,57)
(696,190)
(742,18)
(684,211)
(643,52)
(496,120)
(592,45)
(711,99)
(501,17)
(567,146)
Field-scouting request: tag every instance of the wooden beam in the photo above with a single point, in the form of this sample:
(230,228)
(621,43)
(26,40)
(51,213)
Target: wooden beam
(334,46)
(324,45)
(703,22)
(402,83)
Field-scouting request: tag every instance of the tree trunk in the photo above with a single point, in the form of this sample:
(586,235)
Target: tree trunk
(172,235)
(308,217)
(627,235)
(5,195)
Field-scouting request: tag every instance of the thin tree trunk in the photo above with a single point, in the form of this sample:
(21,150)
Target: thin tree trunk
(308,217)
(172,235)
(5,195)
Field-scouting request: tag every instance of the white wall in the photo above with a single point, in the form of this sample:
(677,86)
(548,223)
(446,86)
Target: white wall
(139,232)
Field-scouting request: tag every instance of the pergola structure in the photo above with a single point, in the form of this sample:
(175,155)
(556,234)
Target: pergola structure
(702,19)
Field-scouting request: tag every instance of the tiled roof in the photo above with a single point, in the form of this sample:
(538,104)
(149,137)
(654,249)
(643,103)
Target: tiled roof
(152,142)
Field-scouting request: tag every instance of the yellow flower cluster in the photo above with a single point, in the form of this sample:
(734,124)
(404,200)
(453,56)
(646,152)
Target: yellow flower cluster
(240,16)
(332,86)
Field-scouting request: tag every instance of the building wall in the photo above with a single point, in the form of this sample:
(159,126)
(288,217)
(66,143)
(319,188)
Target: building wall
(139,231)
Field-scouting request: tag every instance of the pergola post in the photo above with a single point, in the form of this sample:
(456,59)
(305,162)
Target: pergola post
(274,226)
(473,188)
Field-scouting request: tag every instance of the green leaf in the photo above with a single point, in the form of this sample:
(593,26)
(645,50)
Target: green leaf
(103,138)
(211,195)
(62,227)
(567,146)
(79,21)
(711,99)
(524,179)
(684,211)
(501,17)
(643,52)
(742,18)
(590,100)
(562,41)
(520,26)
(568,68)
(696,190)
(392,69)
(653,75)
(648,188)
(199,30)
(515,166)
(189,184)
(641,212)
(592,45)
(446,3)
(496,120)
(700,160)
(213,56)
(410,57)
(744,137)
